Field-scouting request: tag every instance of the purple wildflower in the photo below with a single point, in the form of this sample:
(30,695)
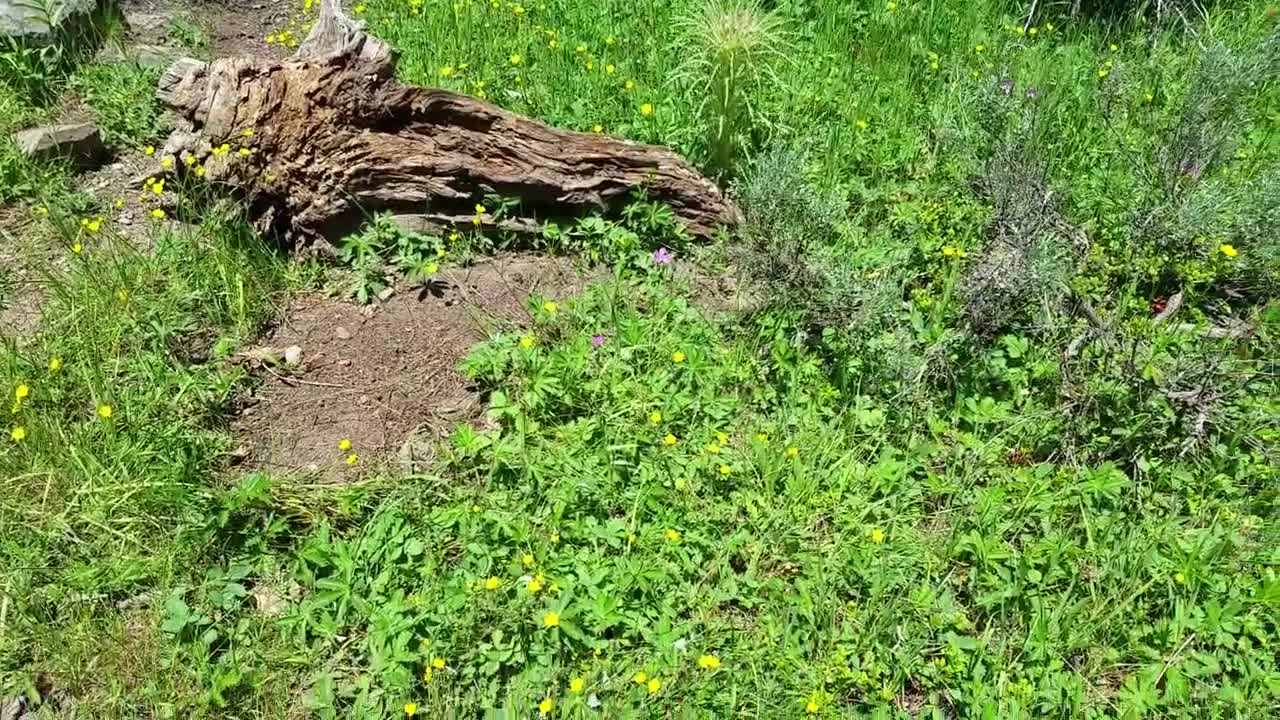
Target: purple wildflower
(597,341)
(663,256)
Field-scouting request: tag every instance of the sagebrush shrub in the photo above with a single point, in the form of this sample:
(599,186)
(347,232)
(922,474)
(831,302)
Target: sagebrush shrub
(791,246)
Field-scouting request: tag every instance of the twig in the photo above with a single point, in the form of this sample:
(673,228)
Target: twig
(298,381)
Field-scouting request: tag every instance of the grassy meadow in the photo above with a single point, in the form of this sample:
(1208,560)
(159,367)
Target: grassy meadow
(989,432)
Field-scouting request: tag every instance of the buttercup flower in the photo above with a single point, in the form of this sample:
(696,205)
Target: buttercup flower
(545,706)
(709,662)
(576,685)
(410,709)
(1228,250)
(551,619)
(670,440)
(677,357)
(877,535)
(491,583)
(18,434)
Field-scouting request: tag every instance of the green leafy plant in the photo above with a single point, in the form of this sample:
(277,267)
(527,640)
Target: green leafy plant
(730,48)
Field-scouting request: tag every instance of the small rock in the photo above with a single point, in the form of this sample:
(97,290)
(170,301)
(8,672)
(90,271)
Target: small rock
(82,143)
(344,362)
(342,333)
(269,602)
(239,455)
(154,55)
(147,22)
(386,293)
(292,356)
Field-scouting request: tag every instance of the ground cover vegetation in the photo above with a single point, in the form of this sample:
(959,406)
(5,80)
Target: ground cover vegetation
(990,430)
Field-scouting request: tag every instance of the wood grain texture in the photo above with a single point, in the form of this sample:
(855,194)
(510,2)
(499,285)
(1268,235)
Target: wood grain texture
(335,139)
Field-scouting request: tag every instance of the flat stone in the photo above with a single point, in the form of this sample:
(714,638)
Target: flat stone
(82,143)
(24,18)
(144,55)
(146,22)
(342,333)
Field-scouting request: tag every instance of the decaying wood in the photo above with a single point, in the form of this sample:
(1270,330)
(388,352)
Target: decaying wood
(334,138)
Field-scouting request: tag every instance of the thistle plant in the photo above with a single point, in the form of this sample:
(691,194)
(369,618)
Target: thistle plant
(731,48)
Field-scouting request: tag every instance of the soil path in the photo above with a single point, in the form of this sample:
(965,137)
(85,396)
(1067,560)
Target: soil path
(386,377)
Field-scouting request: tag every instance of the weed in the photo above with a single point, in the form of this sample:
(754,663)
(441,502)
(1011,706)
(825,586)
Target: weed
(730,48)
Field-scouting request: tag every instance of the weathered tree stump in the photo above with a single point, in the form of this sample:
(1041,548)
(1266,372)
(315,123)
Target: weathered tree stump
(333,138)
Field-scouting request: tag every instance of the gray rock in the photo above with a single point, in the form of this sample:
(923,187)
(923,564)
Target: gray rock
(386,293)
(146,22)
(25,19)
(292,356)
(82,143)
(342,333)
(143,55)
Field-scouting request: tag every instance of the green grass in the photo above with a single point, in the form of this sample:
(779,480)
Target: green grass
(950,460)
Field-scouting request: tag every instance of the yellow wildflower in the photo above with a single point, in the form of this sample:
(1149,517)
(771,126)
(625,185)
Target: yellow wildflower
(877,535)
(1179,578)
(646,109)
(247,133)
(344,444)
(550,307)
(491,583)
(1102,72)
(811,707)
(427,675)
(640,677)
(545,706)
(150,150)
(654,685)
(576,685)
(609,69)
(104,412)
(1114,48)
(527,560)
(891,6)
(438,663)
(410,709)
(980,49)
(526,342)
(21,393)
(722,437)
(597,129)
(725,470)
(677,357)
(55,364)
(670,440)
(122,295)
(762,437)
(860,124)
(713,448)
(166,163)
(352,459)
(446,71)
(655,417)
(1032,31)
(245,152)
(629,85)
(673,535)
(515,59)
(793,452)
(18,434)
(535,585)
(77,248)
(1228,250)
(709,662)
(551,619)
(158,214)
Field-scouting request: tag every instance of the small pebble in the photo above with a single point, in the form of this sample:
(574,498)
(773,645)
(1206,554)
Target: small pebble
(342,333)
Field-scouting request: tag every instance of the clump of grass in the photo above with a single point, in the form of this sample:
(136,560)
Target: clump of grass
(731,47)
(122,99)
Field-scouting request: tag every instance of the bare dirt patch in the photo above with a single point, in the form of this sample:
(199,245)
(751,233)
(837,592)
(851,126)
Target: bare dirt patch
(383,375)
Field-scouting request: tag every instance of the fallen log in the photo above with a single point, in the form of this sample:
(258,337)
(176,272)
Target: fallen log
(321,141)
